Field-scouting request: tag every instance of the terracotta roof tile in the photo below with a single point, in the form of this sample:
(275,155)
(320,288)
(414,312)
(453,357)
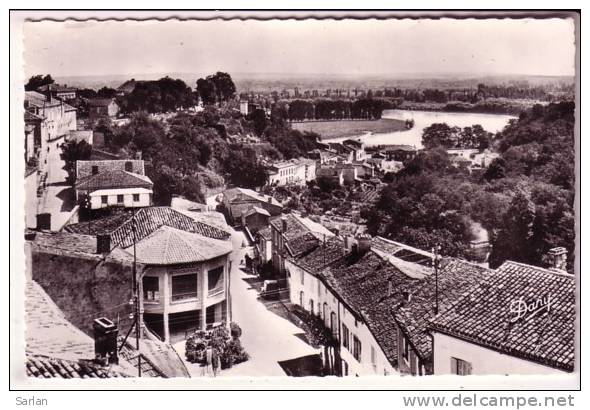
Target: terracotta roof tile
(455,278)
(483,315)
(113,180)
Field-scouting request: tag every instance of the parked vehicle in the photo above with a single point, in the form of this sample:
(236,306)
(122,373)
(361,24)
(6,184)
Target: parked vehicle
(271,289)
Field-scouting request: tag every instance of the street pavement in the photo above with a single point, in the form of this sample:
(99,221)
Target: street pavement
(267,337)
(58,198)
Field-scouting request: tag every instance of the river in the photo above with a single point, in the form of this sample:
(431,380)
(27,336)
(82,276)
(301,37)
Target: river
(422,119)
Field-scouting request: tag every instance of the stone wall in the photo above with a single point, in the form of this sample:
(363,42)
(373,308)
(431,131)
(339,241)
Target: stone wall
(86,287)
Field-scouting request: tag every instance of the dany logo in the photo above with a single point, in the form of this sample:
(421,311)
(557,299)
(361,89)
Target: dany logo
(528,309)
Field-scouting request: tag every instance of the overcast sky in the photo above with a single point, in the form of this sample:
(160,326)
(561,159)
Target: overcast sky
(537,47)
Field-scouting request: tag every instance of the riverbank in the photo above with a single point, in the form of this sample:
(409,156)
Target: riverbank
(489,106)
(345,128)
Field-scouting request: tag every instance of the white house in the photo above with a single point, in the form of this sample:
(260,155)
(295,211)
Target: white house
(113,183)
(183,265)
(292,172)
(521,321)
(353,286)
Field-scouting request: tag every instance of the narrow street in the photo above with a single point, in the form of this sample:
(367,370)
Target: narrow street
(58,198)
(267,337)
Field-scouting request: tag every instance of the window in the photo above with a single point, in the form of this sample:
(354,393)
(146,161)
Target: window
(356,349)
(373,358)
(128,166)
(151,289)
(460,367)
(319,288)
(302,277)
(345,337)
(215,280)
(405,349)
(135,197)
(311,305)
(119,199)
(301,299)
(94,169)
(104,199)
(184,287)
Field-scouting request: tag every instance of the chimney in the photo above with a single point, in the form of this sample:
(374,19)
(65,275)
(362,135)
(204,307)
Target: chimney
(558,258)
(284,224)
(103,243)
(364,243)
(44,222)
(349,242)
(138,155)
(105,341)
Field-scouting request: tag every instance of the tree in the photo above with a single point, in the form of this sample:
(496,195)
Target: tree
(107,92)
(74,151)
(243,168)
(37,81)
(224,86)
(513,240)
(258,118)
(206,90)
(496,169)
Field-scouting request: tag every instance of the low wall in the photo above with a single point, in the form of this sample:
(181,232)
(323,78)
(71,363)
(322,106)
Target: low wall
(85,287)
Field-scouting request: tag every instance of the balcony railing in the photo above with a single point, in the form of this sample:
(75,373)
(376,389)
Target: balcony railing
(179,297)
(216,291)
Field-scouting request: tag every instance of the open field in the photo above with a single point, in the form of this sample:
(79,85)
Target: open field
(346,128)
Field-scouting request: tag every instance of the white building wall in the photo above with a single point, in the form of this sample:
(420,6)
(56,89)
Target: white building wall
(144,198)
(483,361)
(314,289)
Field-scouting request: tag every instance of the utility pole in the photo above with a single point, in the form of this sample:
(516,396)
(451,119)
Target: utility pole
(136,296)
(436,263)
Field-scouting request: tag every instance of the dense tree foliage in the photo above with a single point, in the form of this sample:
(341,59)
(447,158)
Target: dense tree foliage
(324,109)
(216,88)
(524,198)
(37,81)
(163,95)
(441,134)
(72,152)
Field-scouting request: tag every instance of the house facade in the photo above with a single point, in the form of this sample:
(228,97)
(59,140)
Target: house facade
(183,266)
(102,107)
(110,183)
(239,201)
(292,172)
(359,353)
(491,330)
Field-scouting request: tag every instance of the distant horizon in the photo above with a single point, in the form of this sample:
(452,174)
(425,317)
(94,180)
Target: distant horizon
(353,48)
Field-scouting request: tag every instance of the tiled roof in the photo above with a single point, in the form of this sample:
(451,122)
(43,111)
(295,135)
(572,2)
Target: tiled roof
(56,87)
(157,359)
(232,193)
(147,220)
(265,233)
(483,316)
(48,332)
(100,102)
(362,282)
(29,116)
(455,278)
(50,367)
(71,243)
(84,168)
(54,346)
(302,243)
(113,179)
(170,246)
(102,226)
(256,210)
